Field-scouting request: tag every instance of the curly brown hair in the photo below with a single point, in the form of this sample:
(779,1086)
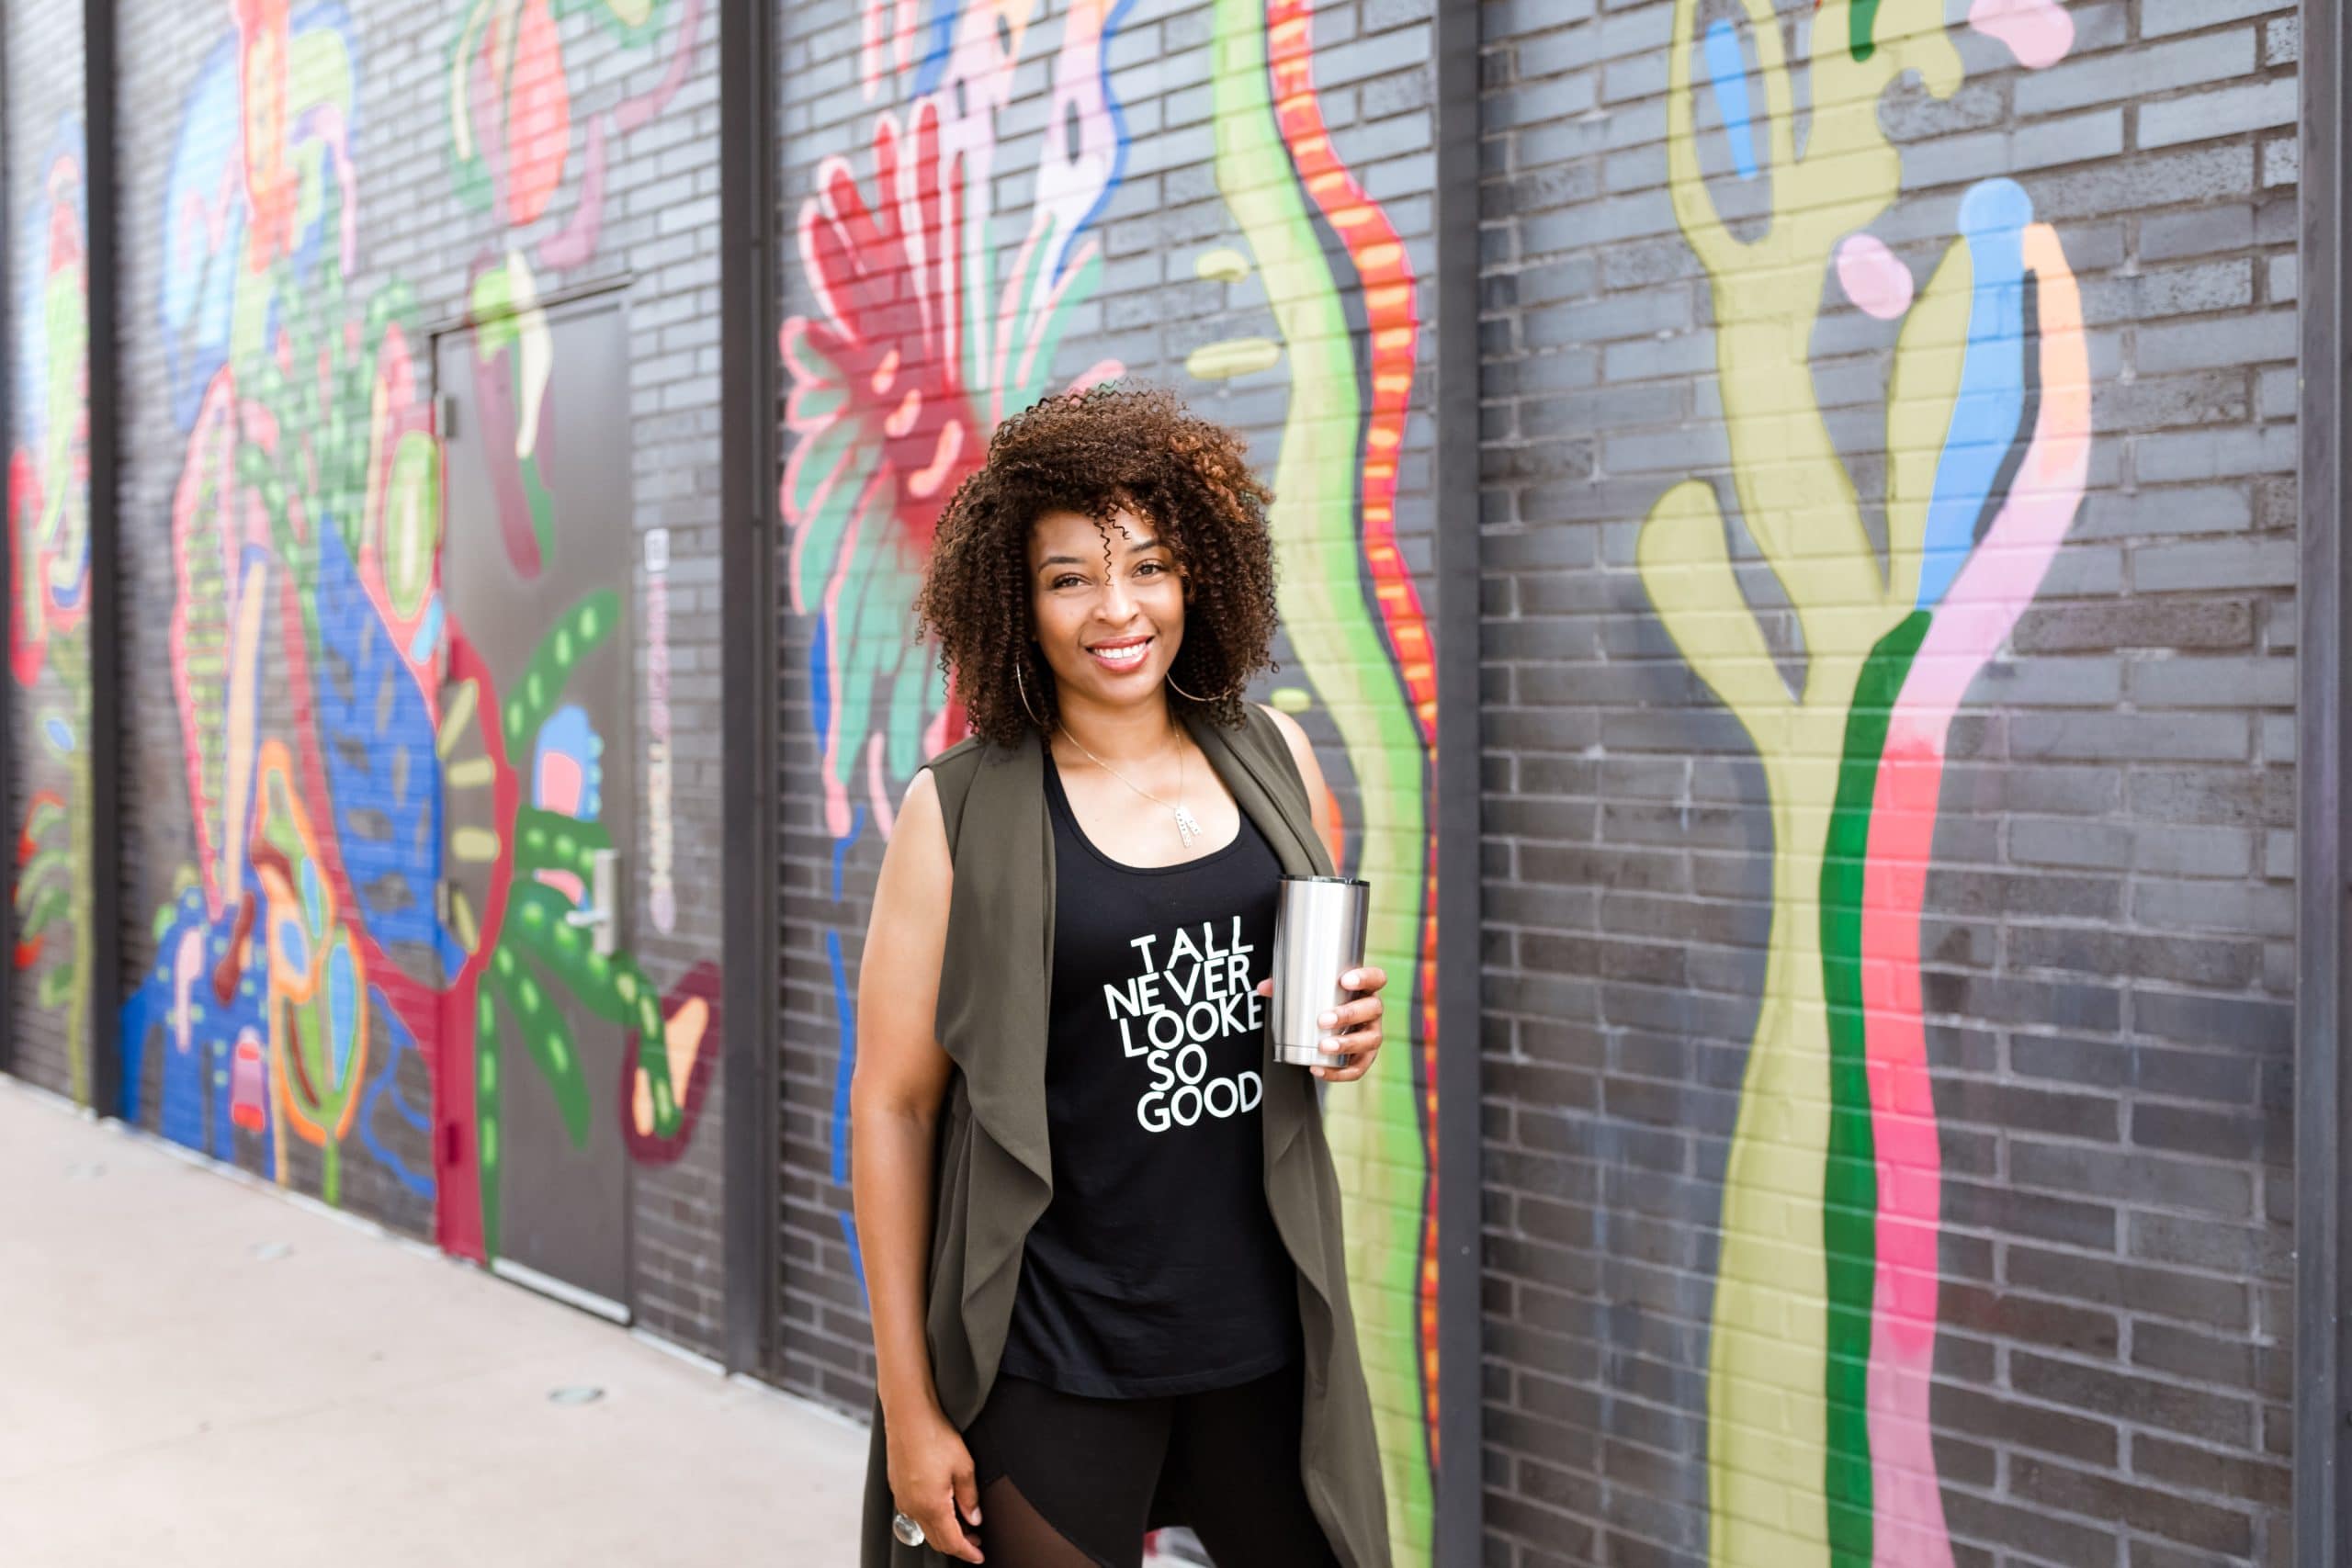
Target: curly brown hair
(1093,453)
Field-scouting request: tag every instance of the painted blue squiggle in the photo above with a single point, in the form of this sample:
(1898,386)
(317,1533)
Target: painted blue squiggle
(1985,417)
(821,678)
(856,1256)
(1727,68)
(1119,140)
(842,847)
(845,1061)
(845,1052)
(932,69)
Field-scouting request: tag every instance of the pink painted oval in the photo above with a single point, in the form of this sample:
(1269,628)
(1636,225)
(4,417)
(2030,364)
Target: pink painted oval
(1874,277)
(2039,32)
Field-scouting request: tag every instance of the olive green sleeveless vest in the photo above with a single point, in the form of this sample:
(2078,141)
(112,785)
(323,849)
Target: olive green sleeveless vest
(994,1174)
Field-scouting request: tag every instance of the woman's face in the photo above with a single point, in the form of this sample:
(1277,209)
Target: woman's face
(1106,603)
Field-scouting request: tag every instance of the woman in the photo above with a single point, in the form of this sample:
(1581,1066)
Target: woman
(1099,1224)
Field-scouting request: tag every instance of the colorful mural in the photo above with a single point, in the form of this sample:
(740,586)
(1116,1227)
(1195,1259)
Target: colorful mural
(889,408)
(1362,641)
(1825,1317)
(330,710)
(49,533)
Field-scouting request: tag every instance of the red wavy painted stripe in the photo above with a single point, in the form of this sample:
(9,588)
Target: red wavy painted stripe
(1393,319)
(28,950)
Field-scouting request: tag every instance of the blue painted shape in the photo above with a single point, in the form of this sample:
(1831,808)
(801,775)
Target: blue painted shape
(427,640)
(821,680)
(314,895)
(1986,415)
(842,847)
(387,814)
(293,938)
(386,1089)
(569,732)
(343,1019)
(1727,68)
(932,69)
(134,1031)
(845,1058)
(60,733)
(68,588)
(856,1256)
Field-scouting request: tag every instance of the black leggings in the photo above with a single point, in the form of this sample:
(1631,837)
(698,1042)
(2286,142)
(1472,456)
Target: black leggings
(1069,1481)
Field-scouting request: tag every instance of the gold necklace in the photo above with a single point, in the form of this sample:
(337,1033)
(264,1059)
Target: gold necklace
(1188,827)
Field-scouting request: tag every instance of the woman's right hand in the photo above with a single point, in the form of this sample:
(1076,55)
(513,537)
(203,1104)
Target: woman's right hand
(933,1484)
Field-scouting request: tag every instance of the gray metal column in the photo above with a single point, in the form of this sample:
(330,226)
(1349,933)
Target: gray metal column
(747,132)
(2322,1400)
(1457,784)
(105,737)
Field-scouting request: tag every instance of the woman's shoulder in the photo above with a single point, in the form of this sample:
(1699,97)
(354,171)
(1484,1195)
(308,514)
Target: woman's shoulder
(958,760)
(953,771)
(1280,735)
(1271,721)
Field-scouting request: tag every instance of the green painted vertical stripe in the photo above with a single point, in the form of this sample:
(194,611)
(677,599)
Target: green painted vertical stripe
(1849,1194)
(1374,1124)
(1861,25)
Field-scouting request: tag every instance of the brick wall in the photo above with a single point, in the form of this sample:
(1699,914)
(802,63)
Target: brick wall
(1888,983)
(1889,767)
(1268,274)
(292,750)
(48,488)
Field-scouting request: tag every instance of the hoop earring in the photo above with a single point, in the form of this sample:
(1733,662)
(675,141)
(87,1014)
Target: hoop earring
(1022,685)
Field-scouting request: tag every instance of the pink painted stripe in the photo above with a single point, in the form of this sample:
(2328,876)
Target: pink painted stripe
(2000,580)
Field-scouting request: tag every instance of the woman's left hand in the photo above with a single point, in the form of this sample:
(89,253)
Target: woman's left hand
(1353,1026)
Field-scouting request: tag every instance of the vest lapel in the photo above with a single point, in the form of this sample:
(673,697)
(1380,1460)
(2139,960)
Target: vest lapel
(994,1001)
(1000,928)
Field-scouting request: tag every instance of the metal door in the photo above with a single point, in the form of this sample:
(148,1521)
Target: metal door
(535,570)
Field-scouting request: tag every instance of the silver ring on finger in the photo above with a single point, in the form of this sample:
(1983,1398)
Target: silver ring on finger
(906,1529)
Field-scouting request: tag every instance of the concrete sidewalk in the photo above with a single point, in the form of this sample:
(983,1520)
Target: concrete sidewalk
(196,1370)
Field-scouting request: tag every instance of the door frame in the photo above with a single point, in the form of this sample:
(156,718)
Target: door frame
(750,139)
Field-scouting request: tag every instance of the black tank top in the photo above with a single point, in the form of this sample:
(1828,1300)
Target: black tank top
(1156,1269)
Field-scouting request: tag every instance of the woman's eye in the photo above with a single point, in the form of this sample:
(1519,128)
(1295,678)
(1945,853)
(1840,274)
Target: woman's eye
(1153,567)
(1068,579)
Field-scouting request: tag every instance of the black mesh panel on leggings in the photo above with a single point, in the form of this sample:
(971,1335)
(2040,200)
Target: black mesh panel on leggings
(1014,1535)
(1093,1473)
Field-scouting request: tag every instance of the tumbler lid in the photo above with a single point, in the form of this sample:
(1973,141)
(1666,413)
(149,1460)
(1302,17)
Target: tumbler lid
(1340,881)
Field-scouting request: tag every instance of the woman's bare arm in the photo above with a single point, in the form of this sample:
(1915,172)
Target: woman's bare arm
(895,1096)
(1355,1024)
(1310,773)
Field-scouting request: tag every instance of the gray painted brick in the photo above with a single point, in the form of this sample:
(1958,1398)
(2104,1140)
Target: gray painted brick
(2124,76)
(2226,112)
(2159,18)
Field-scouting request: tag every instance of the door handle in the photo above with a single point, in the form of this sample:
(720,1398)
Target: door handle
(601,917)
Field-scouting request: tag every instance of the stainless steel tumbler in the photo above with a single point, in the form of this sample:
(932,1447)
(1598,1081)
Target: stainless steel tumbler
(1319,936)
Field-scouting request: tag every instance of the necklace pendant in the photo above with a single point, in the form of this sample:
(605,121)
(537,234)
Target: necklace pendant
(1188,827)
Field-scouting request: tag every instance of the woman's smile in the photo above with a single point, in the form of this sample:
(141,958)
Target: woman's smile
(1122,655)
